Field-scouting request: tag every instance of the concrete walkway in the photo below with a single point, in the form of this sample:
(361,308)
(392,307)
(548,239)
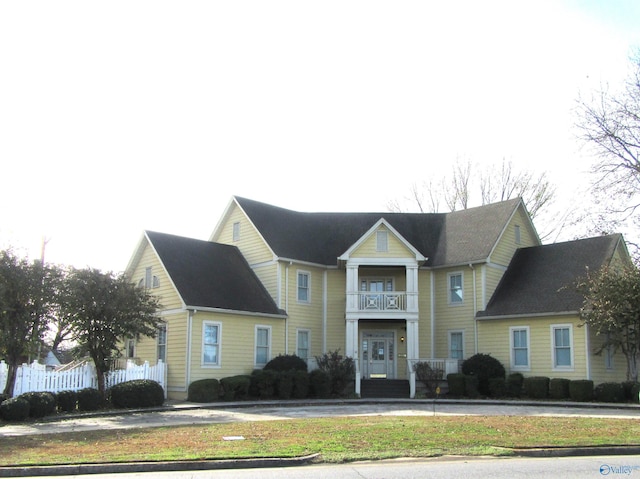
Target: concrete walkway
(183,413)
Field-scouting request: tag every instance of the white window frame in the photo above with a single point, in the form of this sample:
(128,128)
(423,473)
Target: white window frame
(236,231)
(218,361)
(159,345)
(518,234)
(382,241)
(131,347)
(556,367)
(307,274)
(512,348)
(255,347)
(308,333)
(609,353)
(450,290)
(450,343)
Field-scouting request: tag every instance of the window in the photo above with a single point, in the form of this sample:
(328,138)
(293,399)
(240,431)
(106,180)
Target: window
(149,280)
(211,343)
(562,355)
(519,348)
(517,234)
(303,287)
(609,351)
(382,242)
(455,288)
(162,343)
(263,345)
(302,350)
(456,344)
(131,348)
(236,231)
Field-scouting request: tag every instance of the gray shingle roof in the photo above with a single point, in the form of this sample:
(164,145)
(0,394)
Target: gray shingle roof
(541,279)
(211,275)
(444,238)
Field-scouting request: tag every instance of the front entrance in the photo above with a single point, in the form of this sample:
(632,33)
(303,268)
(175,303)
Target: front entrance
(378,355)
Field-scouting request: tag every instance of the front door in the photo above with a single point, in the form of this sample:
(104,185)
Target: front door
(378,358)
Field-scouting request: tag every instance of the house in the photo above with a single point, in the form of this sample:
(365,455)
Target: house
(387,289)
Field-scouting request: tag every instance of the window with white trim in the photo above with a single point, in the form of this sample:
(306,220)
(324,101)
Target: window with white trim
(162,343)
(304,280)
(236,231)
(131,348)
(455,288)
(517,233)
(211,335)
(609,351)
(303,348)
(456,344)
(382,241)
(519,339)
(562,340)
(263,345)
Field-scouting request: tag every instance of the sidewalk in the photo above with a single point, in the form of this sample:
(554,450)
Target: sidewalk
(184,413)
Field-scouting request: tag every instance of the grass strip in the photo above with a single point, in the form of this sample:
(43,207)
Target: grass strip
(337,439)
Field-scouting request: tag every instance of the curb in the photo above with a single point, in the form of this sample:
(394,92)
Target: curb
(578,451)
(165,466)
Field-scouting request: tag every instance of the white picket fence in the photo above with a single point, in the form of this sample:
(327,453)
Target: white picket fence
(35,377)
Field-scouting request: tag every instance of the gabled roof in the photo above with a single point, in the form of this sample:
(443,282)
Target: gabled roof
(444,238)
(540,279)
(211,275)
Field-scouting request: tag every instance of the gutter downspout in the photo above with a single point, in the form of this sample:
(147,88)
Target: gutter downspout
(587,346)
(324,311)
(189,337)
(286,308)
(433,315)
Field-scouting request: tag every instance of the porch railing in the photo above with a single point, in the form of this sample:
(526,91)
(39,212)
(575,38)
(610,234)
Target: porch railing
(442,367)
(387,301)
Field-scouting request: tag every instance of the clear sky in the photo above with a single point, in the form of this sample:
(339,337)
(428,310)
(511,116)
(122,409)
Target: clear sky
(121,116)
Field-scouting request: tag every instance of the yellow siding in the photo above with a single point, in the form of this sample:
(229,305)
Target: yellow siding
(237,344)
(494,339)
(507,244)
(493,275)
(424,308)
(336,303)
(251,244)
(599,371)
(396,248)
(166,292)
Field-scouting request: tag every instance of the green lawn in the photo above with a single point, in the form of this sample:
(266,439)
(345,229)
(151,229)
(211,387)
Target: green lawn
(336,439)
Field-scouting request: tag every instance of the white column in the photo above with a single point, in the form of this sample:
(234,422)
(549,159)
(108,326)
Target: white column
(352,288)
(412,288)
(413,341)
(352,349)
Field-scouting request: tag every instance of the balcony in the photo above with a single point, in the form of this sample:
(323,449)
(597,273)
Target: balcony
(379,301)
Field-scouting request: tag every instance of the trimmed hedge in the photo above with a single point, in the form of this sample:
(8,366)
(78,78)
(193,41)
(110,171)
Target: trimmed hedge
(609,392)
(137,393)
(472,386)
(484,367)
(319,384)
(514,384)
(286,362)
(537,387)
(14,409)
(263,383)
(300,384)
(41,404)
(497,387)
(89,399)
(204,390)
(66,401)
(456,383)
(559,388)
(235,387)
(635,393)
(581,390)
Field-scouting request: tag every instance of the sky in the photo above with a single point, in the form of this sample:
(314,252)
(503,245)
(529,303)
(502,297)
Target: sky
(123,116)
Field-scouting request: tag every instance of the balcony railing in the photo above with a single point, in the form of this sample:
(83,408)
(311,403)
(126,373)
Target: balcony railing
(387,301)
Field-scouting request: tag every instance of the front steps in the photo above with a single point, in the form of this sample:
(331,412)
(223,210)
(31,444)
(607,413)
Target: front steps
(384,388)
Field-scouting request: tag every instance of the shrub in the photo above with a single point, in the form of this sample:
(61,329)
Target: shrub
(609,392)
(427,375)
(536,387)
(204,390)
(3,397)
(559,388)
(66,401)
(286,362)
(89,399)
(628,386)
(456,383)
(484,367)
(635,393)
(41,403)
(284,385)
(137,393)
(14,409)
(263,383)
(497,387)
(514,384)
(341,370)
(471,384)
(319,383)
(581,390)
(300,384)
(235,387)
